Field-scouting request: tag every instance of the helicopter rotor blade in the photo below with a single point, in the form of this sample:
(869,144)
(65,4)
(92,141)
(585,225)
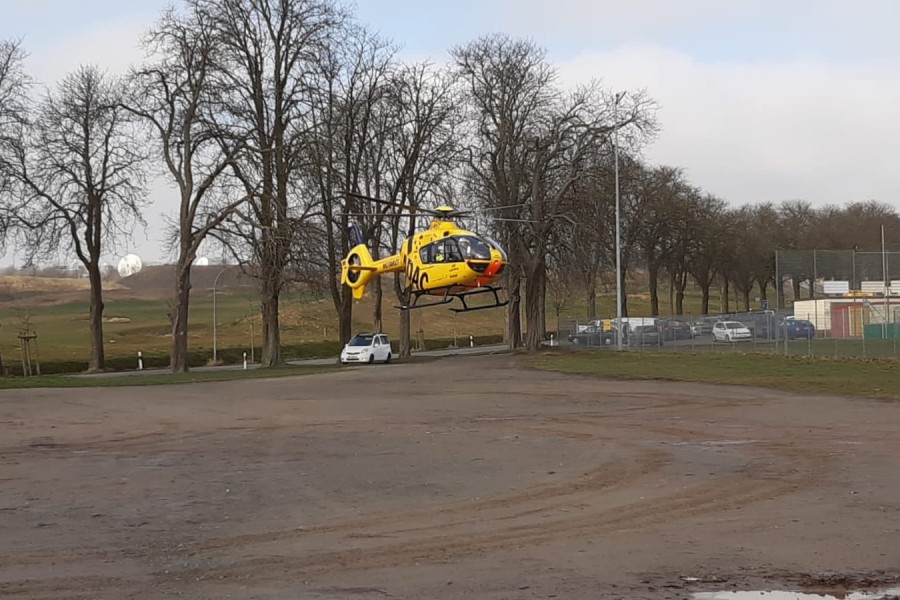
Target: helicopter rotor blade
(410,208)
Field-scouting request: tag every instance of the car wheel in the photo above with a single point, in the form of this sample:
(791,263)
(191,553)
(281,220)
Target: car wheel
(388,359)
(371,359)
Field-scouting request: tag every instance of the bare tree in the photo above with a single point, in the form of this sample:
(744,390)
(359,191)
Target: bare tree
(425,150)
(533,144)
(707,246)
(662,194)
(178,96)
(14,87)
(268,53)
(349,126)
(509,87)
(81,169)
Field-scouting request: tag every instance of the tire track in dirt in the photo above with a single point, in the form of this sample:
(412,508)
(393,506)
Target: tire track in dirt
(440,543)
(610,475)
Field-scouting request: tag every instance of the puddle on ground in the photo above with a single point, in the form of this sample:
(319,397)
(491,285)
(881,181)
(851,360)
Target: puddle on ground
(778,595)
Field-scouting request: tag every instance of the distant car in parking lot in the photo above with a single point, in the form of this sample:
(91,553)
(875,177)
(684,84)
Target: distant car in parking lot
(797,328)
(730,331)
(645,335)
(675,329)
(705,325)
(593,336)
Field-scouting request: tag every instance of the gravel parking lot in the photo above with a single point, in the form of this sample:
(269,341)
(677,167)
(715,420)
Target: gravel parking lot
(467,477)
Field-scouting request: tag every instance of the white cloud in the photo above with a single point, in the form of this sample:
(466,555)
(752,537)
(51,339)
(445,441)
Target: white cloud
(766,131)
(112,45)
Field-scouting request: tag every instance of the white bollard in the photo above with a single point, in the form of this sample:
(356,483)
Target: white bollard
(140,361)
(245,361)
(551,341)
(471,342)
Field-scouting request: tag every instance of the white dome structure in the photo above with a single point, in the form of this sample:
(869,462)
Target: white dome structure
(202,262)
(129,265)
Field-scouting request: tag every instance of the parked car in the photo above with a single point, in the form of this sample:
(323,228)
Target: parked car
(730,331)
(593,335)
(796,328)
(674,329)
(645,335)
(367,348)
(705,325)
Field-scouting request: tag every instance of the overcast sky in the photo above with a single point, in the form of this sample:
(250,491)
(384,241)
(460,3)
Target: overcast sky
(760,100)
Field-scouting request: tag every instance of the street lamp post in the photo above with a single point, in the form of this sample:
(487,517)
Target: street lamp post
(620,329)
(215,284)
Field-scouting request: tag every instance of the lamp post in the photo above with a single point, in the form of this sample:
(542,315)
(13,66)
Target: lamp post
(215,284)
(620,329)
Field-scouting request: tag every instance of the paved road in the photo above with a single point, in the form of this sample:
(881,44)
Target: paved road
(493,349)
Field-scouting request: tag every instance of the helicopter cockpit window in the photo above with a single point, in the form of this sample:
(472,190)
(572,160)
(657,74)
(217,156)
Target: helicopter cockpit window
(443,251)
(473,248)
(496,247)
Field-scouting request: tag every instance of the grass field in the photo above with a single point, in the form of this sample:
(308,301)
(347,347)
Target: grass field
(68,381)
(137,320)
(869,378)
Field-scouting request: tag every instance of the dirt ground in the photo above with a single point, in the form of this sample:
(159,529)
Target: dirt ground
(462,478)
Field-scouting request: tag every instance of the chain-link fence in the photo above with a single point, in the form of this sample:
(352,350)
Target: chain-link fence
(855,327)
(835,303)
(812,274)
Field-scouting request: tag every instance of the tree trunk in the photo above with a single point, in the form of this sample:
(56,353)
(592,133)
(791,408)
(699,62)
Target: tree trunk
(680,286)
(535,296)
(377,295)
(746,295)
(591,303)
(271,329)
(763,289)
(726,295)
(796,285)
(513,310)
(653,274)
(704,299)
(405,335)
(178,361)
(624,294)
(779,294)
(812,289)
(98,355)
(345,315)
(672,294)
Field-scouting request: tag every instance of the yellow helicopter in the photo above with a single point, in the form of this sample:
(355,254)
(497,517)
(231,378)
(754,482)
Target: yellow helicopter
(444,261)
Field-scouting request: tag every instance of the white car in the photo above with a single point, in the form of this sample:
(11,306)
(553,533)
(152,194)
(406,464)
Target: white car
(730,331)
(367,348)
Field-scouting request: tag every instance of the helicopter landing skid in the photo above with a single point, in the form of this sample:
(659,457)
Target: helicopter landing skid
(445,299)
(466,308)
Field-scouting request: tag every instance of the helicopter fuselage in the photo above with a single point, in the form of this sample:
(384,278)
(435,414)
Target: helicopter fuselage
(442,260)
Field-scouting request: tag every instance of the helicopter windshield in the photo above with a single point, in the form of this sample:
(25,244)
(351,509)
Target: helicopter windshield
(496,247)
(473,248)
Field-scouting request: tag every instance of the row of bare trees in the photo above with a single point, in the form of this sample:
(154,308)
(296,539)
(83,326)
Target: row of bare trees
(267,116)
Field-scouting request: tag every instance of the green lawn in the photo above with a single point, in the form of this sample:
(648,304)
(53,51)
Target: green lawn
(870,378)
(67,381)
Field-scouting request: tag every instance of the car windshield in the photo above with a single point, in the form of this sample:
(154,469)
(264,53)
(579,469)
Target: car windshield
(361,340)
